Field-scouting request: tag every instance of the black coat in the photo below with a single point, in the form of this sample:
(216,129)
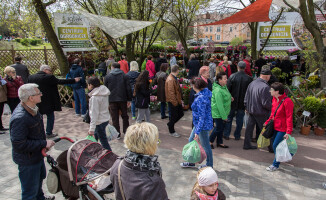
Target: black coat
(159,63)
(142,98)
(119,85)
(21,70)
(286,66)
(48,85)
(237,86)
(193,66)
(259,64)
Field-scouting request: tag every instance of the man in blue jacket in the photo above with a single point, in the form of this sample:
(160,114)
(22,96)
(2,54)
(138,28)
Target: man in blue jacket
(27,136)
(76,71)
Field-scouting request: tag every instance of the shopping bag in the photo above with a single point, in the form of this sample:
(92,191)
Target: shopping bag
(203,155)
(282,152)
(91,138)
(245,119)
(111,132)
(292,144)
(263,142)
(191,152)
(6,109)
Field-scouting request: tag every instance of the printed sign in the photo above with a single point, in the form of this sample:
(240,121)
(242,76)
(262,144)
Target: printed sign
(73,32)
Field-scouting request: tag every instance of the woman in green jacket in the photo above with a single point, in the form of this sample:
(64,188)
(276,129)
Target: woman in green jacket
(221,106)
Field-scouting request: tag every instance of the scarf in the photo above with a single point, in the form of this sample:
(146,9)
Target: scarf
(204,79)
(207,197)
(144,162)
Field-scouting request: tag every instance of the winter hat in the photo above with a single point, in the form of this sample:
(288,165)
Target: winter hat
(207,177)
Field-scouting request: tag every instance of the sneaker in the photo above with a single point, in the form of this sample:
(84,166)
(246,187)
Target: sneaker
(324,186)
(133,118)
(78,115)
(49,197)
(175,134)
(51,136)
(271,168)
(83,116)
(201,166)
(187,164)
(2,133)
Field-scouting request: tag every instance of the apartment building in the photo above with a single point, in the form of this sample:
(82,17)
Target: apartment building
(219,33)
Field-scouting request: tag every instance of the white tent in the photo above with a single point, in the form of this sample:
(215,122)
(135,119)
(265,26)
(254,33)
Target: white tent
(116,27)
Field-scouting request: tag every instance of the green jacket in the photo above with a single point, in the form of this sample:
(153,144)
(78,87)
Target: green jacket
(143,65)
(221,102)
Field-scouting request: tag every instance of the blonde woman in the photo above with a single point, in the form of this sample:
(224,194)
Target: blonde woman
(140,172)
(13,84)
(133,74)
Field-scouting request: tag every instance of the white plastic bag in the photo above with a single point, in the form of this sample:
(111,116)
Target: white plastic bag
(282,152)
(6,110)
(245,119)
(111,132)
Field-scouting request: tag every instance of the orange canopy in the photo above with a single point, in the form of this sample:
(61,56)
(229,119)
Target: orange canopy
(255,12)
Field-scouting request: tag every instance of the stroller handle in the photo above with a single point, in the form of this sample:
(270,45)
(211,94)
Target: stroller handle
(57,140)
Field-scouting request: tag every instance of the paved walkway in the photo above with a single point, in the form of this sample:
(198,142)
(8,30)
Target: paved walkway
(242,174)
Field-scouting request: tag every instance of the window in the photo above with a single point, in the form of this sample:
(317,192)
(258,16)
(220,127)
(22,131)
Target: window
(248,34)
(210,37)
(231,28)
(206,29)
(218,37)
(218,29)
(210,29)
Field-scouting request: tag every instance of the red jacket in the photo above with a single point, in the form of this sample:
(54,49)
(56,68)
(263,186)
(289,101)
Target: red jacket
(248,69)
(13,86)
(283,120)
(124,66)
(150,67)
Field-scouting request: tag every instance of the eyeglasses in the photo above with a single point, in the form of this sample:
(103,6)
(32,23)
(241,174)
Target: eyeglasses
(40,93)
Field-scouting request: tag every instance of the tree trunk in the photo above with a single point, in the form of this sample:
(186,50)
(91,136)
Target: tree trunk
(253,28)
(52,37)
(129,51)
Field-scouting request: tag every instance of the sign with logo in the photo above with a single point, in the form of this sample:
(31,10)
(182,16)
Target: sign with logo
(73,32)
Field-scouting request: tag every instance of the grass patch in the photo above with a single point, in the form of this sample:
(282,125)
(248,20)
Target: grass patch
(4,45)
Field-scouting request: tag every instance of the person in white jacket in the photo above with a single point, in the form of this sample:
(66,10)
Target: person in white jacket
(98,110)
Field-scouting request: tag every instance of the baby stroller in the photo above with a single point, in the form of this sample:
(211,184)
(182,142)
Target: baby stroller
(82,171)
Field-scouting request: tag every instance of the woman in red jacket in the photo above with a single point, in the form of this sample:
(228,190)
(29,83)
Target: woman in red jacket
(283,120)
(150,67)
(13,84)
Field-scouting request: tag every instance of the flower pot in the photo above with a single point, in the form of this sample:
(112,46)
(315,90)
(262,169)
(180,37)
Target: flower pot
(186,107)
(305,130)
(319,131)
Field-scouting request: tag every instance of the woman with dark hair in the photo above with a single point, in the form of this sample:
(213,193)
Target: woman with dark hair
(98,110)
(142,96)
(202,119)
(221,106)
(160,78)
(283,118)
(150,66)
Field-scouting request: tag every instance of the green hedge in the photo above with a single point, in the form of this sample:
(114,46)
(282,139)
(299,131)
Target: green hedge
(27,42)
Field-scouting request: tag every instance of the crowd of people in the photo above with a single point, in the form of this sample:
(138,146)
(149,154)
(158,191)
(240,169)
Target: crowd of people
(221,90)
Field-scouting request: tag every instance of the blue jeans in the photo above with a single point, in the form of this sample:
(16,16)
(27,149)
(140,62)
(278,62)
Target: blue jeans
(204,141)
(239,121)
(49,123)
(277,138)
(133,108)
(163,106)
(100,133)
(80,100)
(217,131)
(31,179)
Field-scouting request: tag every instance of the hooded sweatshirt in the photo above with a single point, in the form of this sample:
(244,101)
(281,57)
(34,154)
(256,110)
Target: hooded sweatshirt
(77,71)
(221,102)
(202,112)
(98,106)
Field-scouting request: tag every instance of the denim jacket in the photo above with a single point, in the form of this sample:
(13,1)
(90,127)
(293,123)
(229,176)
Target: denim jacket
(202,111)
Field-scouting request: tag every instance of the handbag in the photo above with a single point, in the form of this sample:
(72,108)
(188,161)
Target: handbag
(269,129)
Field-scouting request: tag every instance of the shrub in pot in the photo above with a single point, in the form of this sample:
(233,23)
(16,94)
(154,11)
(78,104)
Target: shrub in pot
(321,120)
(311,104)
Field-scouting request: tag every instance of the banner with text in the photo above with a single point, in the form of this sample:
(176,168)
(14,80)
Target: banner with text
(288,33)
(73,32)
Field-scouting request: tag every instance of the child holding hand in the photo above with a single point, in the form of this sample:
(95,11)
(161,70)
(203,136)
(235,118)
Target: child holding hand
(206,186)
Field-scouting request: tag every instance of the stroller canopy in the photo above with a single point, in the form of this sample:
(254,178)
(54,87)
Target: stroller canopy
(88,161)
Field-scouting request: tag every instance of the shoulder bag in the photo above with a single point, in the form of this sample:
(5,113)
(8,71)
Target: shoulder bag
(269,129)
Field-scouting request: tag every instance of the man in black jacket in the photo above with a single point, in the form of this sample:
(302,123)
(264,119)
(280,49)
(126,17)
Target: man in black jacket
(159,62)
(287,68)
(28,139)
(21,70)
(48,84)
(119,85)
(237,85)
(193,66)
(260,63)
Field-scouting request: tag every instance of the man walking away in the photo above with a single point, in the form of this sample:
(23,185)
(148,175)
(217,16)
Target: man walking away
(193,66)
(119,85)
(28,139)
(258,103)
(173,97)
(159,62)
(260,63)
(237,85)
(21,70)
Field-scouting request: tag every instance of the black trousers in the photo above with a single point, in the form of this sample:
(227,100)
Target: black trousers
(176,115)
(253,121)
(13,103)
(2,104)
(114,108)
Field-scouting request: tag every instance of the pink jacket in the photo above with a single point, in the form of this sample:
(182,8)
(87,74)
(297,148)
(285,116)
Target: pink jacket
(151,68)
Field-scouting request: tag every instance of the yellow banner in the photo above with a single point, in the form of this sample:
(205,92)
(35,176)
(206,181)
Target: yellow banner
(72,33)
(283,31)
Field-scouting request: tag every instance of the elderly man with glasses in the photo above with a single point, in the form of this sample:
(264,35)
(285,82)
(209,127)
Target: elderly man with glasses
(48,85)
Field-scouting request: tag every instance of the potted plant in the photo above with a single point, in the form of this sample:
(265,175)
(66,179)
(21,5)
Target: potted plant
(321,120)
(185,93)
(311,104)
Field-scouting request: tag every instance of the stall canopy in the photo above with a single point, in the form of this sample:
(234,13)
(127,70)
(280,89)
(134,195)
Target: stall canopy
(255,12)
(116,27)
